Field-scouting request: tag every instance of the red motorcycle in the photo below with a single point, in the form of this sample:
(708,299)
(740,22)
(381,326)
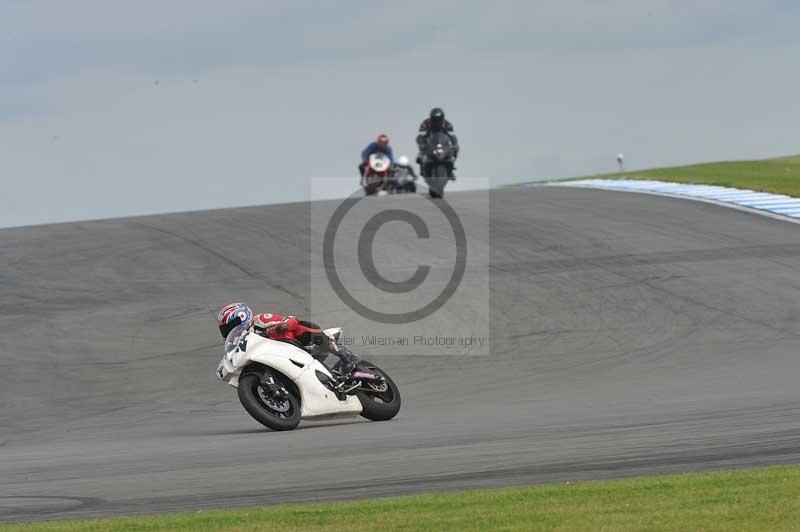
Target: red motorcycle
(376,173)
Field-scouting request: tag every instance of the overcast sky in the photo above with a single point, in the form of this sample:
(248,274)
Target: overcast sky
(113,108)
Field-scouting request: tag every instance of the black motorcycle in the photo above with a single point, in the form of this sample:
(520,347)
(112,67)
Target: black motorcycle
(438,161)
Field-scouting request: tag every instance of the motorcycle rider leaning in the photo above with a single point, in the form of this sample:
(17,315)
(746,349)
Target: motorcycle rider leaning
(381,145)
(435,122)
(284,328)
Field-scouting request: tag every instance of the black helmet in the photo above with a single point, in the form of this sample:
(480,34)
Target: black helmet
(437,119)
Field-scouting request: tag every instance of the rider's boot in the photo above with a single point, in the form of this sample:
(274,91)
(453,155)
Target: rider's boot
(348,364)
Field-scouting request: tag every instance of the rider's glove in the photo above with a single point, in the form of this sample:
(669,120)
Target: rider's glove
(278,328)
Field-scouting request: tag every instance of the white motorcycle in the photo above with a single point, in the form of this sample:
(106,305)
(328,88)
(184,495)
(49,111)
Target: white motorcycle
(280,383)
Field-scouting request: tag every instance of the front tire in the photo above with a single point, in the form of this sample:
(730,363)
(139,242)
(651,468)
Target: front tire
(380,403)
(440,175)
(276,414)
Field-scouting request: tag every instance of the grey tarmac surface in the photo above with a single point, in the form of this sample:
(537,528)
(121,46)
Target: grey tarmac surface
(631,335)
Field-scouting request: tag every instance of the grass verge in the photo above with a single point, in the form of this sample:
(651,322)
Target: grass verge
(780,175)
(744,500)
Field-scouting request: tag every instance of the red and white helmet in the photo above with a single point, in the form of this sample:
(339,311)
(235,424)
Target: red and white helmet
(232,315)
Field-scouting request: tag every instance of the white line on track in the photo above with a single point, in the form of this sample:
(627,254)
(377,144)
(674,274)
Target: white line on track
(776,206)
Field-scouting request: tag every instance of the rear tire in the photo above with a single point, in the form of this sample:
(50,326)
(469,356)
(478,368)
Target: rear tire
(276,415)
(379,405)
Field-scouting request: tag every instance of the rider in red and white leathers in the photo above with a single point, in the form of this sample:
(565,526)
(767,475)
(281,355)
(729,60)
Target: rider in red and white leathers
(278,327)
(284,328)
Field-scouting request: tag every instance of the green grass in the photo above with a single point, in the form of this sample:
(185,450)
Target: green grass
(780,175)
(757,499)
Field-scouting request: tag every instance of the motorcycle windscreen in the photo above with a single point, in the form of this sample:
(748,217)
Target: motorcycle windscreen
(235,337)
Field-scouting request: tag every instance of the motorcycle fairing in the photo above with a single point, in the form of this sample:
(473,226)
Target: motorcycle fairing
(316,401)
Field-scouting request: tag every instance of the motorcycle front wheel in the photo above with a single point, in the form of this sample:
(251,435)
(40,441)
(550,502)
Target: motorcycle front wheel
(379,402)
(440,175)
(276,413)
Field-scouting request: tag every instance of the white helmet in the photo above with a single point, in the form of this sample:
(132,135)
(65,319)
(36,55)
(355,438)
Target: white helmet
(402,161)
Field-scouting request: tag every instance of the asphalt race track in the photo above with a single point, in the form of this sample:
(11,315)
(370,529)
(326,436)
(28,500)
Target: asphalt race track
(631,334)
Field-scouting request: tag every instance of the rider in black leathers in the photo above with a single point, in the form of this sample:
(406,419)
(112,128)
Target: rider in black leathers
(435,122)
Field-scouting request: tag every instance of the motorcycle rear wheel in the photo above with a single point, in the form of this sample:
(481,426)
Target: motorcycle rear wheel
(281,414)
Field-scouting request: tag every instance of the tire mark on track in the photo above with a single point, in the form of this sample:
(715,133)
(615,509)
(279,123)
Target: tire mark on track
(208,249)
